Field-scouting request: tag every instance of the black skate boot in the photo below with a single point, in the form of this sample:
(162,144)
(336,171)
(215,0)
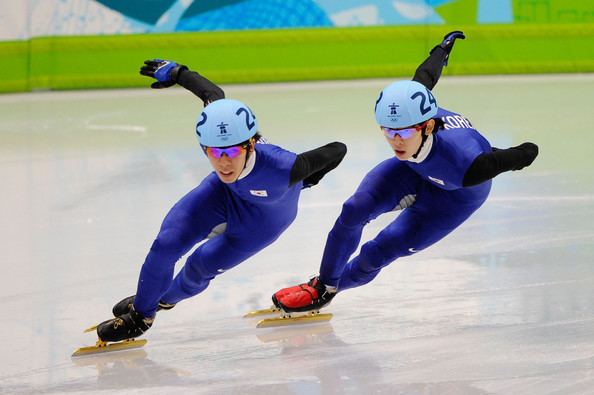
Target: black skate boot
(126,326)
(125,306)
(304,297)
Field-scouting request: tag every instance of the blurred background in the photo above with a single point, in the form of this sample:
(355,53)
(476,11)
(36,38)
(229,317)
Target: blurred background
(78,44)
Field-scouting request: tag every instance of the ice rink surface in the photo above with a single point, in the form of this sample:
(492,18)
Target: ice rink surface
(504,305)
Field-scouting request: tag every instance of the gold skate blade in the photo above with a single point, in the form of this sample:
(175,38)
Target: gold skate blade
(90,329)
(102,347)
(257,313)
(294,320)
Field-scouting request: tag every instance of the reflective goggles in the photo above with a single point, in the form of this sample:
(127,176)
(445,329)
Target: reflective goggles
(405,133)
(231,152)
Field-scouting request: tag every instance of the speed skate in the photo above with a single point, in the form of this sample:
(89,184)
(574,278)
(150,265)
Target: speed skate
(102,346)
(285,319)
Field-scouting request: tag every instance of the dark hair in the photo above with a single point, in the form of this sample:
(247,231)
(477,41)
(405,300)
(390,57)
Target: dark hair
(256,137)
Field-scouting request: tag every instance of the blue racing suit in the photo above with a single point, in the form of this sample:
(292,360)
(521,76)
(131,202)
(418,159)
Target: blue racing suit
(430,191)
(256,210)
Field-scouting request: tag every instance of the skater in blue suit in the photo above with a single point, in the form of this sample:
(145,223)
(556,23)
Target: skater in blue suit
(243,206)
(439,176)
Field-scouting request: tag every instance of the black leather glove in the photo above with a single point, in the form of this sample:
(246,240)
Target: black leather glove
(166,72)
(448,43)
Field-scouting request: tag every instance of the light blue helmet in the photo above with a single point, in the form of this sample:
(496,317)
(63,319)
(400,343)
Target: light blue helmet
(404,103)
(225,122)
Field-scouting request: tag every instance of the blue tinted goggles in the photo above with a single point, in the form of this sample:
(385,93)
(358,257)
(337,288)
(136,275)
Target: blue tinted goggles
(405,133)
(231,152)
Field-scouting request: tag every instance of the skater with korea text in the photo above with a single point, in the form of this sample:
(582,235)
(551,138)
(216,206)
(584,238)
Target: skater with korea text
(439,176)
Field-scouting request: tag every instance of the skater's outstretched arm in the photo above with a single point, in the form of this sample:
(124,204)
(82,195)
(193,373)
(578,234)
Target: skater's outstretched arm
(429,71)
(168,73)
(312,166)
(489,165)
(200,86)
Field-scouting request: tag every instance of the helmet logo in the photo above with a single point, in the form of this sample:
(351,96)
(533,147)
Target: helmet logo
(222,128)
(393,107)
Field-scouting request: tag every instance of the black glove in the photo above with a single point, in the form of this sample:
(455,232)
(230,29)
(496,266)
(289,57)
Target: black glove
(448,43)
(527,152)
(166,72)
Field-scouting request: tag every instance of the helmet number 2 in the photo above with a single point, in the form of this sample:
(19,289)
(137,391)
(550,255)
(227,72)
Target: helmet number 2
(248,123)
(200,123)
(424,110)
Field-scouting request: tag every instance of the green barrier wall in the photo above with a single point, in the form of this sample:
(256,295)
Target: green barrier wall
(295,55)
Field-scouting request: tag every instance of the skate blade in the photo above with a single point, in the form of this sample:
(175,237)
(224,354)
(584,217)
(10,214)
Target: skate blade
(257,313)
(102,347)
(90,329)
(308,318)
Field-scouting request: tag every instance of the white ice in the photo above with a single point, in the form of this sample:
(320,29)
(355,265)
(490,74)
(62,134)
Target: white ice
(504,305)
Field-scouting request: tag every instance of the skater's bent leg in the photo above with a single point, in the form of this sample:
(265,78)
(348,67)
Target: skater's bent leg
(345,235)
(190,281)
(157,271)
(211,259)
(374,255)
(187,223)
(415,229)
(374,197)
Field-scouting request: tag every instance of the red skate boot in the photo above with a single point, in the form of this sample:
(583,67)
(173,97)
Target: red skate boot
(304,297)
